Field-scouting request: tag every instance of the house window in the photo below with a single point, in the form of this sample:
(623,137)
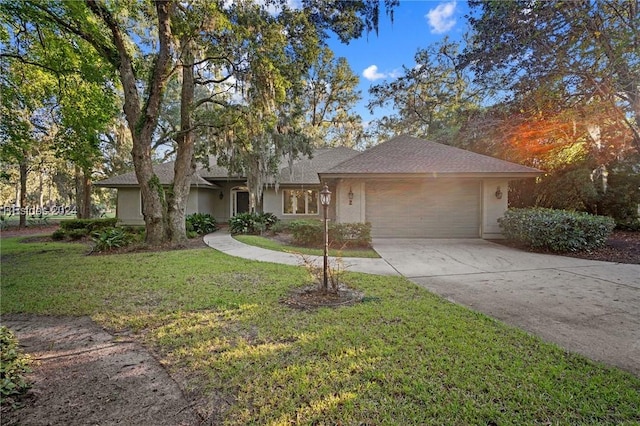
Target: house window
(298,201)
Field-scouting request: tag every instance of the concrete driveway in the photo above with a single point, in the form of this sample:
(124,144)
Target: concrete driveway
(588,307)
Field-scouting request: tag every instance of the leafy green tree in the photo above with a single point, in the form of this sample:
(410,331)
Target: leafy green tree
(584,52)
(80,107)
(136,39)
(329,97)
(25,124)
(430,99)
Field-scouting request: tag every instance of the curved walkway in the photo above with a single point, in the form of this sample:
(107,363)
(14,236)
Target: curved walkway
(224,242)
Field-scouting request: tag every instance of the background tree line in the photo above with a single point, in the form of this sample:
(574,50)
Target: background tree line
(554,85)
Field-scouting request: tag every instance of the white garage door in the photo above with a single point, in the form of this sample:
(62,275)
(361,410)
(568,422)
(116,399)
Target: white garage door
(424,209)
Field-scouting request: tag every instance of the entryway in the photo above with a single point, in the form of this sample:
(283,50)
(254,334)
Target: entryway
(239,200)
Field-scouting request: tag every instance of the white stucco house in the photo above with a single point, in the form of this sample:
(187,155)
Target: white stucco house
(405,187)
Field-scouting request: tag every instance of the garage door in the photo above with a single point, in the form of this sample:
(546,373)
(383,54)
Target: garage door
(424,209)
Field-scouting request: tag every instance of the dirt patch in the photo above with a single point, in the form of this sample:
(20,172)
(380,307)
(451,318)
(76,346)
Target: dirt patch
(35,230)
(84,375)
(310,297)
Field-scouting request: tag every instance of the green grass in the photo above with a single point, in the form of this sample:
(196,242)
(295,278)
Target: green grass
(269,244)
(404,356)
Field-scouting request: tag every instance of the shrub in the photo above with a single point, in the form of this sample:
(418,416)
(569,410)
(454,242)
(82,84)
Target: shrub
(311,233)
(112,238)
(350,234)
(307,232)
(269,220)
(77,234)
(58,234)
(91,225)
(632,225)
(13,366)
(201,223)
(252,223)
(135,230)
(556,230)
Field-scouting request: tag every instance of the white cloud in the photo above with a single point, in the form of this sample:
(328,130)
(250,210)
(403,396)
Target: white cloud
(371,73)
(441,18)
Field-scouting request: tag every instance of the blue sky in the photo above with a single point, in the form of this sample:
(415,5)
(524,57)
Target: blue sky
(416,24)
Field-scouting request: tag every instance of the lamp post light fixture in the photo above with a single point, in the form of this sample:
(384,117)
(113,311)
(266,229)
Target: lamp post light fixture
(325,200)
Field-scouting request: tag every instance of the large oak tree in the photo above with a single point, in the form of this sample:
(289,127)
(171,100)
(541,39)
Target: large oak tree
(144,41)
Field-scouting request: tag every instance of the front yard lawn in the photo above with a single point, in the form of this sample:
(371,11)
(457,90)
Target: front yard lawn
(403,356)
(269,244)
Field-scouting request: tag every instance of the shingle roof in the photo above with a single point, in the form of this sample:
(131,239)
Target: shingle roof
(409,155)
(305,171)
(165,173)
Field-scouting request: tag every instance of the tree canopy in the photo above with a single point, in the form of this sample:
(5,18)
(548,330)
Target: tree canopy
(264,49)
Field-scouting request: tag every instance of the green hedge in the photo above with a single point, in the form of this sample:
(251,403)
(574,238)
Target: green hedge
(309,232)
(201,223)
(91,225)
(556,230)
(252,223)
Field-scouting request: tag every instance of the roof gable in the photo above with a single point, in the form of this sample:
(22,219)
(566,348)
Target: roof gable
(165,173)
(304,170)
(409,155)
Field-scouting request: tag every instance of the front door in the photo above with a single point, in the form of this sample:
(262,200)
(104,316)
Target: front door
(239,201)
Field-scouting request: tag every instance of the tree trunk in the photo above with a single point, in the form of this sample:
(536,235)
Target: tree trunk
(142,121)
(77,180)
(41,192)
(86,194)
(185,165)
(23,192)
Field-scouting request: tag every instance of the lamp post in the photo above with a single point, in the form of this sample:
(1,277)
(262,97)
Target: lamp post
(325,200)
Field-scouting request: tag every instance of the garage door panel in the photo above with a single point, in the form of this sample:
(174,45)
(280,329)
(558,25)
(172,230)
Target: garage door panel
(444,209)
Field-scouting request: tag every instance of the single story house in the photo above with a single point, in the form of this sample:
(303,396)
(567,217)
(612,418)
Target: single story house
(405,187)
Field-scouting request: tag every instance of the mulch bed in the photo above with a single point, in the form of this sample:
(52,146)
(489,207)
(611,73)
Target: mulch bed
(310,297)
(621,247)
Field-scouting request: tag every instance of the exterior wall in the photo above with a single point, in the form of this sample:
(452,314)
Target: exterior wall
(201,200)
(492,207)
(192,201)
(129,209)
(206,200)
(353,212)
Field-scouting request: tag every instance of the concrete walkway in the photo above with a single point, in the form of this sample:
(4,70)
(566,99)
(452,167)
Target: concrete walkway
(225,243)
(585,306)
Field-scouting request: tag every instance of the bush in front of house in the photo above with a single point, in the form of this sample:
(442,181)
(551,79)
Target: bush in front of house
(77,229)
(14,365)
(252,223)
(556,230)
(112,238)
(309,232)
(58,235)
(201,223)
